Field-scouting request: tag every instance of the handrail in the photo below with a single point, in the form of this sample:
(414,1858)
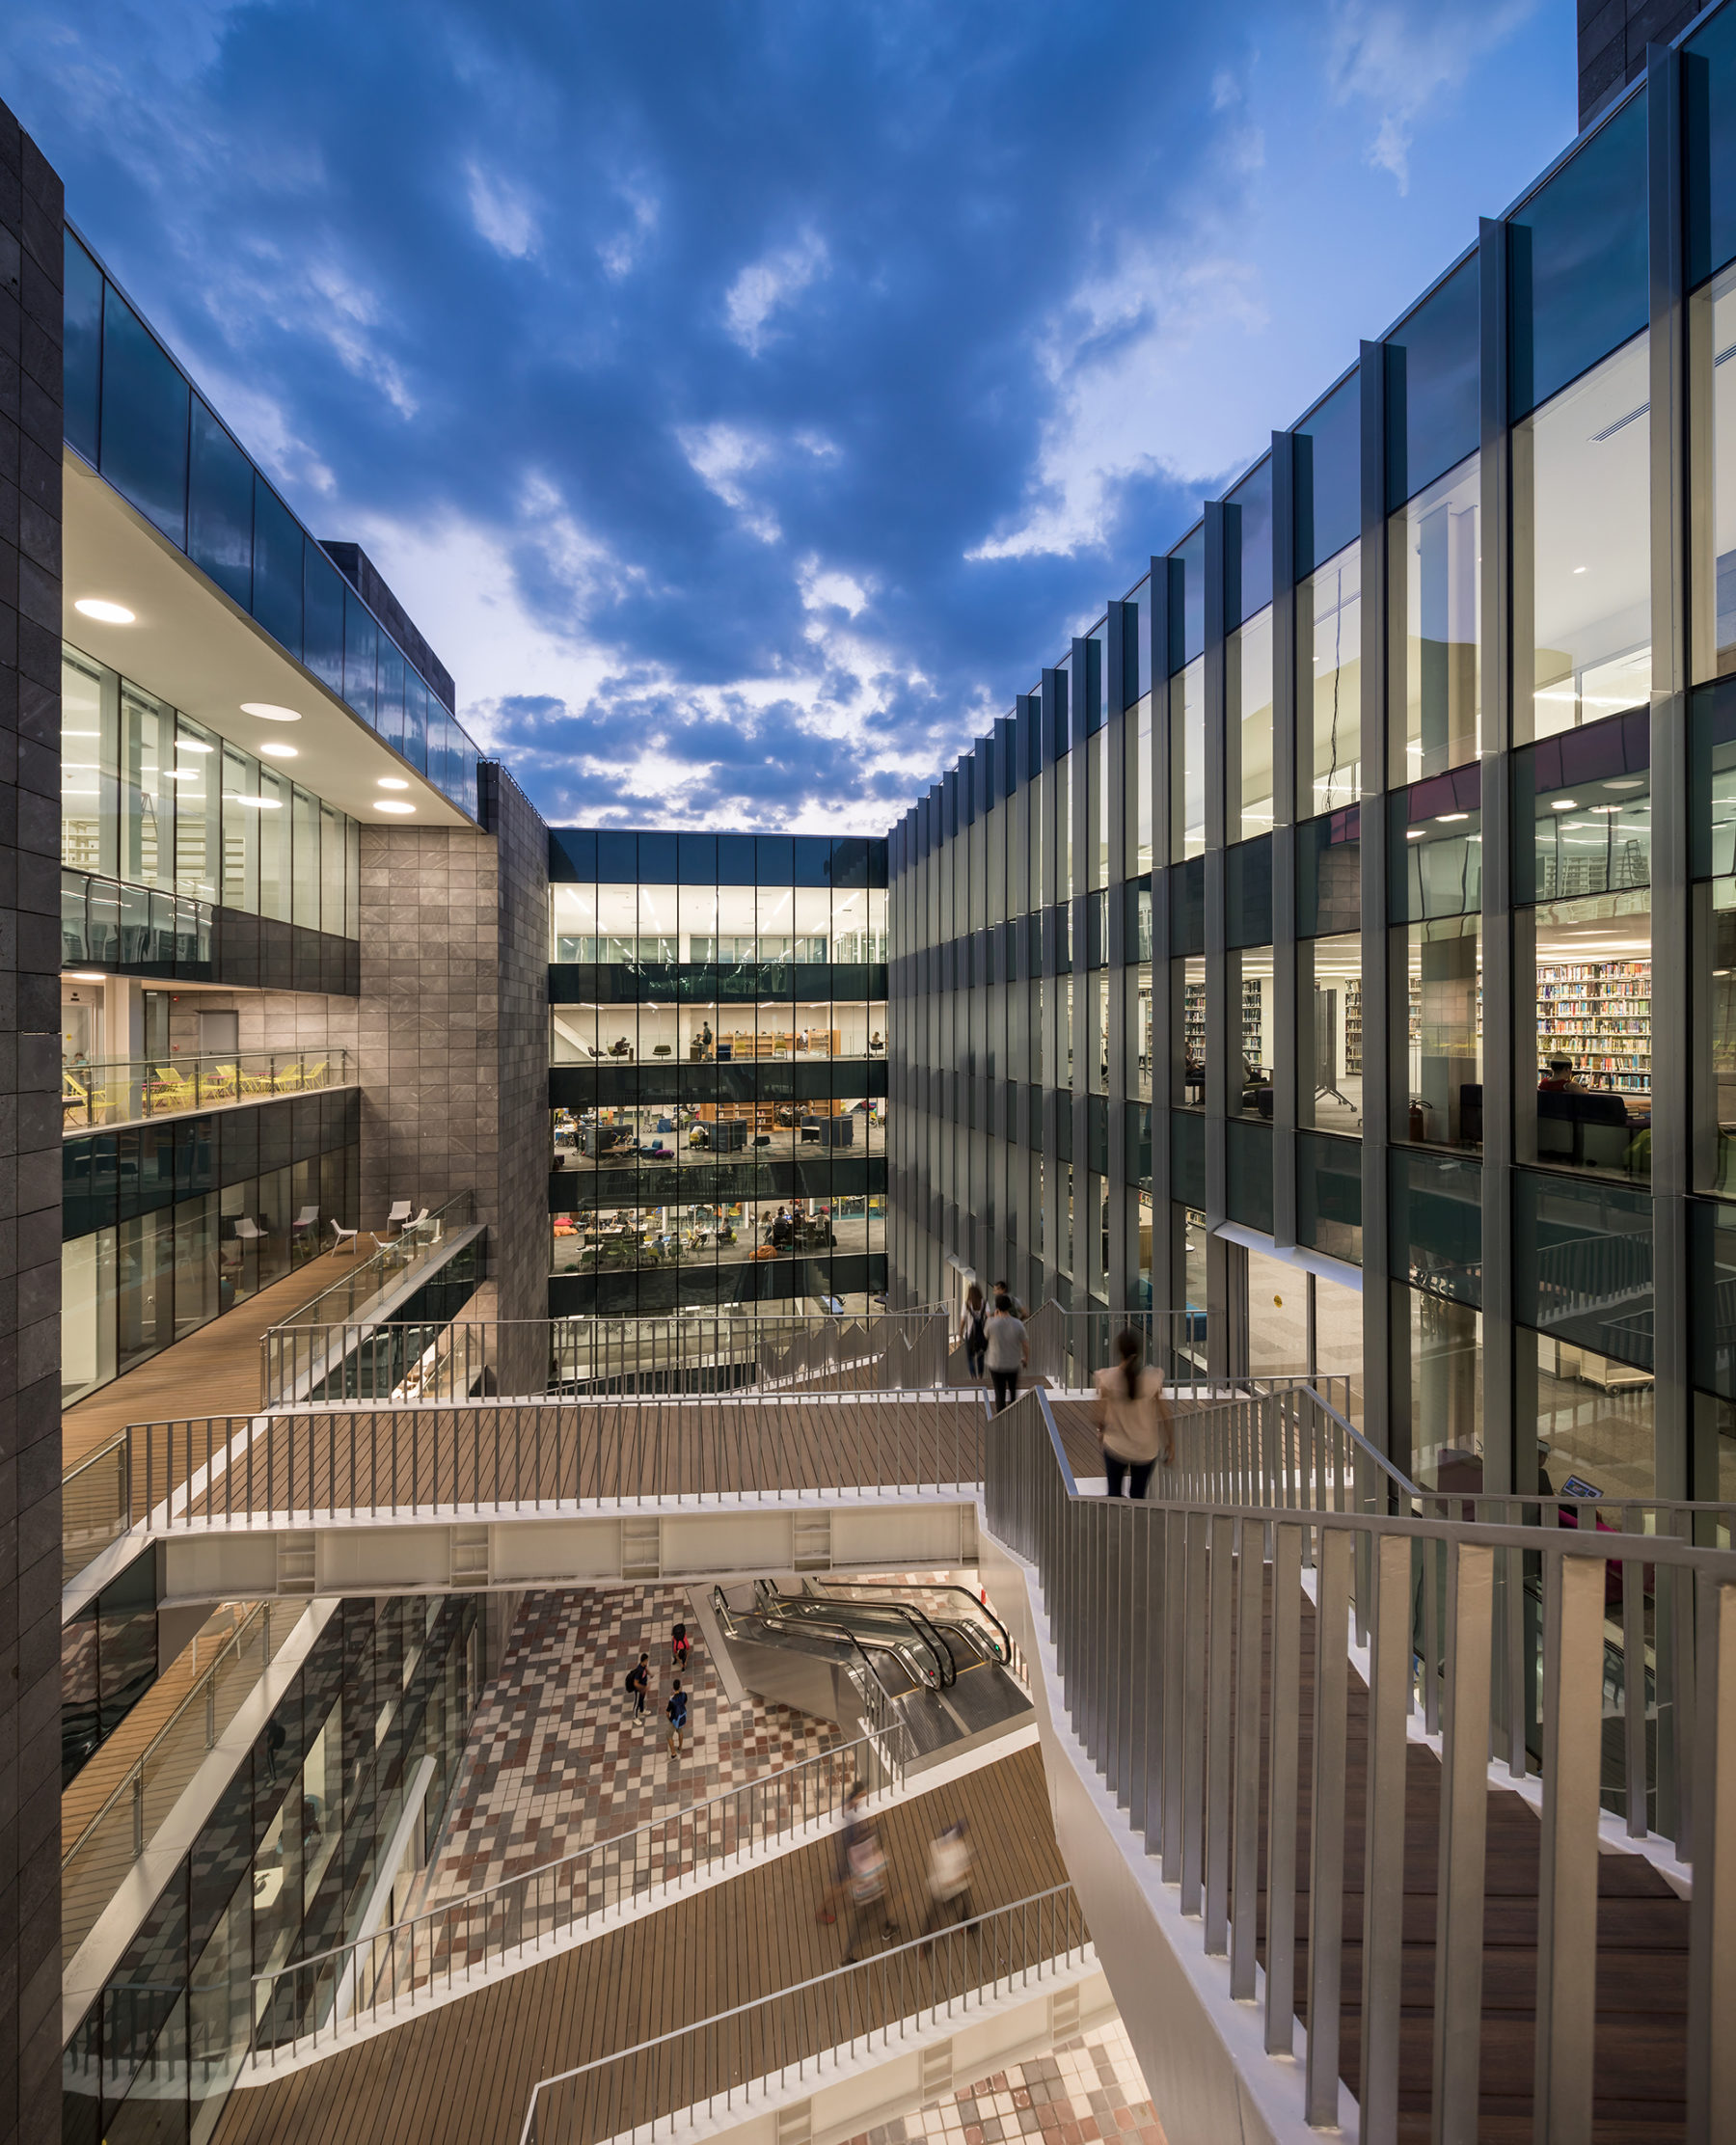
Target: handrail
(544,1903)
(916,1982)
(420,1241)
(979,1607)
(93,1516)
(1501,1633)
(123,1091)
(732,1619)
(257,1617)
(946,1668)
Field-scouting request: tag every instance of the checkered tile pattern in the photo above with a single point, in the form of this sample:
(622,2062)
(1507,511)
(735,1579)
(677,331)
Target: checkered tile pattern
(1089,2089)
(556,1759)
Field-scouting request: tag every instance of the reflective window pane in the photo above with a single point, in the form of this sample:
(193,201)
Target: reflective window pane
(1432,386)
(1436,592)
(1329,685)
(220,507)
(144,404)
(1248,775)
(1328,477)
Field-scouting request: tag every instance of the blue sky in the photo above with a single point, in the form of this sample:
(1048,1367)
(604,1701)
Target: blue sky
(746,400)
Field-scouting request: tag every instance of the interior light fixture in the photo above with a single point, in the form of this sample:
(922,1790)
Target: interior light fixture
(392,805)
(254,803)
(191,744)
(1606,809)
(81,733)
(85,975)
(182,774)
(1579,569)
(279,752)
(1448,819)
(268,711)
(1564,805)
(103,611)
(1626,782)
(1413,833)
(391,782)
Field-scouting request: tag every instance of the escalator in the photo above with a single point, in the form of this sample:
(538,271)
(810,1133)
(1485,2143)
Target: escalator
(931,1660)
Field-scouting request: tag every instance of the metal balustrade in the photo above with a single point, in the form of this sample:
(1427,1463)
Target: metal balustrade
(431,1458)
(428,1955)
(728,2064)
(1498,1634)
(96,1504)
(94,1862)
(128,1091)
(734,1349)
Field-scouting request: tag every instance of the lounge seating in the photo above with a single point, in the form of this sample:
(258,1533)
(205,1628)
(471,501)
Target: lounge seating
(341,1236)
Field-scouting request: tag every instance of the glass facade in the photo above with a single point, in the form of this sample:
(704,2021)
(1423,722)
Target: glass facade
(718,1071)
(283,1869)
(137,419)
(1400,874)
(166,1226)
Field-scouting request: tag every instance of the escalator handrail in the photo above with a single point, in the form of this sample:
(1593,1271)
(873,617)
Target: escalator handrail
(844,1634)
(949,1587)
(946,1669)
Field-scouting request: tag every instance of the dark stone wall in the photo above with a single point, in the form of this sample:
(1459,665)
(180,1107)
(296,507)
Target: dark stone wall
(31,247)
(1613,38)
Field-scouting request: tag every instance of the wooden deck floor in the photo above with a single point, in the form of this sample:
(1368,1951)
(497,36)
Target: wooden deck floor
(213,1371)
(463,2074)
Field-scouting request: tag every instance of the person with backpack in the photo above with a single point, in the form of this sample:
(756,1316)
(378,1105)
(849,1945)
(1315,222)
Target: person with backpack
(973,1331)
(1133,1419)
(638,1682)
(679,1648)
(868,1900)
(677,1710)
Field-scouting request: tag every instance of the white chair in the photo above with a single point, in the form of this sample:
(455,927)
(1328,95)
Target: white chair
(308,1218)
(341,1236)
(248,1230)
(400,1215)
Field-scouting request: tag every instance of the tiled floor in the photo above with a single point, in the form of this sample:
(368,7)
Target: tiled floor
(1088,2089)
(555,1760)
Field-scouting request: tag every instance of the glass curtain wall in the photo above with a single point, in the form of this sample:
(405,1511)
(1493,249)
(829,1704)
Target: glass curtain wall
(154,800)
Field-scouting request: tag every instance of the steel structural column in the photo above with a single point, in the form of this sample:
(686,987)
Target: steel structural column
(1168,1288)
(1223,1263)
(1386,1426)
(1285,1071)
(1501,1043)
(1673,1096)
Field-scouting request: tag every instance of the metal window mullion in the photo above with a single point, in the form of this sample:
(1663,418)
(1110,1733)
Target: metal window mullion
(1285,1099)
(1381,1360)
(1671,1098)
(1220,1026)
(1503,1465)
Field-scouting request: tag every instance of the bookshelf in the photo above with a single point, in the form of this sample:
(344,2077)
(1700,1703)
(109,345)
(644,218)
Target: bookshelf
(1354,1025)
(1193,1023)
(1597,1013)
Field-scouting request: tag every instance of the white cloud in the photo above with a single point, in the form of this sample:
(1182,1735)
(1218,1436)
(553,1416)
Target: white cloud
(1399,55)
(722,455)
(620,255)
(1142,366)
(828,587)
(765,286)
(502,214)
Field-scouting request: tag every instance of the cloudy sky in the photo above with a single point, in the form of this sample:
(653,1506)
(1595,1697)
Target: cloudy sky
(747,399)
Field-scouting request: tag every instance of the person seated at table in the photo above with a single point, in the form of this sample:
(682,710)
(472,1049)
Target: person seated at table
(783,1230)
(1559,1078)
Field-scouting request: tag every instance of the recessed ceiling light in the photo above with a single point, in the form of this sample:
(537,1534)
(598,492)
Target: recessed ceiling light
(190,744)
(1564,805)
(268,711)
(1579,569)
(279,752)
(81,733)
(85,975)
(105,613)
(391,782)
(1447,819)
(254,803)
(392,805)
(184,773)
(1626,782)
(1413,833)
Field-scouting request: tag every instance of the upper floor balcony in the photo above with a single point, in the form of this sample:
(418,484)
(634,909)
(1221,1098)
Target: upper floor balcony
(132,1091)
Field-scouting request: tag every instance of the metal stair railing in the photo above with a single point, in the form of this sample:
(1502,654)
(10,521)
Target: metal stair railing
(725,2064)
(1501,1632)
(306,2000)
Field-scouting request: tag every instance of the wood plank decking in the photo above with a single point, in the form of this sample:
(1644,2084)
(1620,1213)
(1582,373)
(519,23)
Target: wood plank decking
(463,2074)
(213,1371)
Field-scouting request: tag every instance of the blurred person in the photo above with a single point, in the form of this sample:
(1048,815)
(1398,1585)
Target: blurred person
(949,1878)
(1008,1351)
(1133,1419)
(855,1804)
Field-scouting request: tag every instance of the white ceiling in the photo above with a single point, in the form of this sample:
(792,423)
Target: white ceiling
(191,647)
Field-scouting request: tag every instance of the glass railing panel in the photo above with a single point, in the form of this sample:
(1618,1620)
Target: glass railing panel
(128,1091)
